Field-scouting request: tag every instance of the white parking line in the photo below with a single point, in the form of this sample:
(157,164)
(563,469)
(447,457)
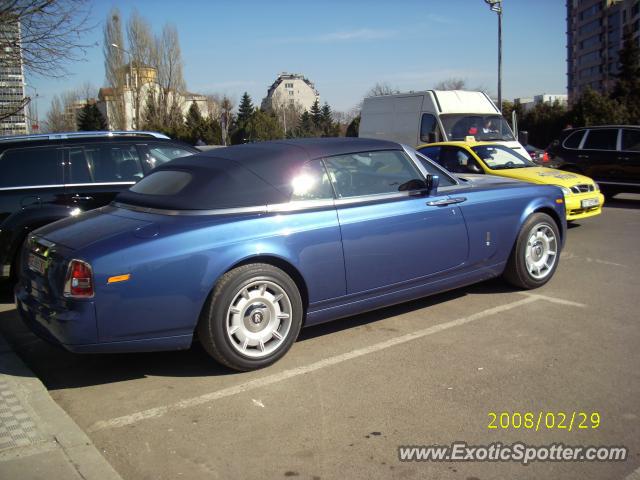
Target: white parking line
(327,362)
(559,301)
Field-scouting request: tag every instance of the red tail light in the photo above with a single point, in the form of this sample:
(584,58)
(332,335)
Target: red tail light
(79,281)
(545,157)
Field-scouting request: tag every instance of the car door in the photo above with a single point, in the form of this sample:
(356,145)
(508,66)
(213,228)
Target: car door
(629,155)
(97,172)
(599,155)
(391,233)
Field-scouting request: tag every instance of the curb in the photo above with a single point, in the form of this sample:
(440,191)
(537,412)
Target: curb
(61,443)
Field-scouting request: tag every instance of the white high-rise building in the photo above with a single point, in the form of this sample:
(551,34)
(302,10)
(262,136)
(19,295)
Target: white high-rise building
(12,97)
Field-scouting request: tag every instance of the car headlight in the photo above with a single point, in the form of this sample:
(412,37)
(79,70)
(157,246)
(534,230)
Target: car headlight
(565,190)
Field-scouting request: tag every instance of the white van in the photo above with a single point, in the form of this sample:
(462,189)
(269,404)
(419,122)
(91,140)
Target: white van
(435,116)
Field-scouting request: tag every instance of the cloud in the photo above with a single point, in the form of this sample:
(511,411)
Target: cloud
(432,17)
(361,34)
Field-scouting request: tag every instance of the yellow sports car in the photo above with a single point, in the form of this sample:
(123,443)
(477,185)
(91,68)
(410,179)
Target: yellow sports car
(581,194)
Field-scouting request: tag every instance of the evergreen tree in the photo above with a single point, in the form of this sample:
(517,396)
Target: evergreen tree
(316,115)
(305,126)
(195,125)
(627,87)
(263,126)
(90,119)
(245,110)
(353,128)
(329,129)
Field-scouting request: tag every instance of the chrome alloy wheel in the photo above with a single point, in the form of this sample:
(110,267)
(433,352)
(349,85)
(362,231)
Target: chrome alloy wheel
(541,252)
(258,319)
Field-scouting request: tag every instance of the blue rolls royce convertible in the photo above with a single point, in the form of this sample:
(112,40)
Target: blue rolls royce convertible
(242,246)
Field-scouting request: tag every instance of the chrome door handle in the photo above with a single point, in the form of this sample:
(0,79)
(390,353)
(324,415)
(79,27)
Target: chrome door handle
(446,201)
(624,158)
(583,156)
(78,197)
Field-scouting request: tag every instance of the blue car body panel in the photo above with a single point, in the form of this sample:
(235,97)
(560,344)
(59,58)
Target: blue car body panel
(347,259)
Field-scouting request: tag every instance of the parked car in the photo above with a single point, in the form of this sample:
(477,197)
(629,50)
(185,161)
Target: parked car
(245,244)
(581,194)
(538,156)
(610,154)
(52,176)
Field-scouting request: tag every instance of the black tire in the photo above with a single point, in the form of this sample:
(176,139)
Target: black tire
(517,273)
(214,331)
(609,193)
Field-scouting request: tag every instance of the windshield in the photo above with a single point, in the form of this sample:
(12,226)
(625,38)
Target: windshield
(482,127)
(499,157)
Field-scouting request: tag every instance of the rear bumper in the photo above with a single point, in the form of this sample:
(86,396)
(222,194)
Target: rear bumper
(75,325)
(75,329)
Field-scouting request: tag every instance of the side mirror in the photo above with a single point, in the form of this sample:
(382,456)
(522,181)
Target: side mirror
(523,137)
(433,181)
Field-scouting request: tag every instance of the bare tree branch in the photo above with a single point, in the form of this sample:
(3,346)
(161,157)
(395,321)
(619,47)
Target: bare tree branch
(50,34)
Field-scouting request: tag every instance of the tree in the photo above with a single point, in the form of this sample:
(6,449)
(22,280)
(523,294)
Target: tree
(61,114)
(305,126)
(245,110)
(263,126)
(451,84)
(593,108)
(50,34)
(381,88)
(354,126)
(90,118)
(114,66)
(327,125)
(316,115)
(543,122)
(226,119)
(628,79)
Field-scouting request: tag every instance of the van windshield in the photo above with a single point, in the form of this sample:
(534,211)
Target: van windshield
(482,127)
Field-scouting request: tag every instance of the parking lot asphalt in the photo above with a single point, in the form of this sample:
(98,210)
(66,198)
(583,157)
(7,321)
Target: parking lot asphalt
(350,392)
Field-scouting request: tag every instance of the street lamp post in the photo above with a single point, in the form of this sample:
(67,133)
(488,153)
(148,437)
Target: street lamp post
(496,6)
(133,106)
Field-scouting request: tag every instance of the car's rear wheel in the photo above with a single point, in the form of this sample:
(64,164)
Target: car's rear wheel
(252,317)
(535,255)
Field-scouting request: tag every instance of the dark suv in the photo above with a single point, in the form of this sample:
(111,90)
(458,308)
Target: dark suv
(44,178)
(609,154)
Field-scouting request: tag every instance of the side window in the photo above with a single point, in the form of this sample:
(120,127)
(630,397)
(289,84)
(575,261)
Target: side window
(78,169)
(574,139)
(114,163)
(22,167)
(432,152)
(601,139)
(160,153)
(311,182)
(631,140)
(371,173)
(458,160)
(445,179)
(428,128)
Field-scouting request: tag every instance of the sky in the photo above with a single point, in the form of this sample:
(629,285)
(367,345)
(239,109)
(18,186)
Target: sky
(344,47)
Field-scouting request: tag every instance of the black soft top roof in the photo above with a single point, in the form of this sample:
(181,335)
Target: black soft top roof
(253,174)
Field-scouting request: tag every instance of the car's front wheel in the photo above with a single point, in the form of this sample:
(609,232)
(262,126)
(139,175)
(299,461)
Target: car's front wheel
(535,255)
(252,317)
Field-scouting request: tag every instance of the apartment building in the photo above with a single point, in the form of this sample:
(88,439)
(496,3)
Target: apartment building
(595,30)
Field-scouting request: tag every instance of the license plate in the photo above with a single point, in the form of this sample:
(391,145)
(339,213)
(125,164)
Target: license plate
(590,202)
(37,264)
